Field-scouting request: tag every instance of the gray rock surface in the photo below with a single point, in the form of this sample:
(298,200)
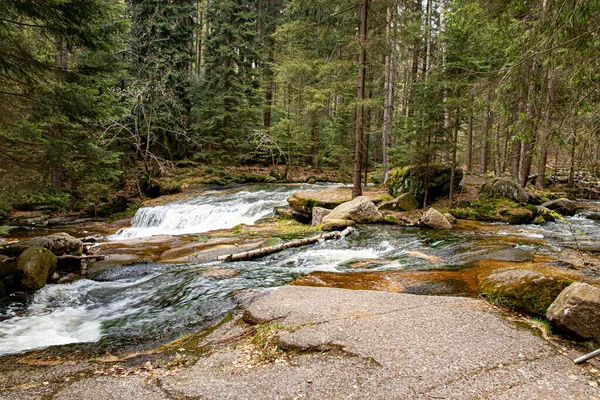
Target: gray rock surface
(577,311)
(330,224)
(404,202)
(318,213)
(505,188)
(59,243)
(376,345)
(562,206)
(360,210)
(433,219)
(353,344)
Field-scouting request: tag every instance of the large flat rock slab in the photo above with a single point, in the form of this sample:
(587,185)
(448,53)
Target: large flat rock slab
(366,344)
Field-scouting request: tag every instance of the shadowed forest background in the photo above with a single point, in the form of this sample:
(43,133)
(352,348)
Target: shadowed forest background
(99,98)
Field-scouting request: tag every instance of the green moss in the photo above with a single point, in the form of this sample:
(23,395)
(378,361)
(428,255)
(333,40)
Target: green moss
(5,229)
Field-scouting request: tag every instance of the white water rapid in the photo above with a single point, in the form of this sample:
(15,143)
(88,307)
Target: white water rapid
(210,211)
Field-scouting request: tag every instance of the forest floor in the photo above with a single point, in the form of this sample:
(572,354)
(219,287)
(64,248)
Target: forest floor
(303,342)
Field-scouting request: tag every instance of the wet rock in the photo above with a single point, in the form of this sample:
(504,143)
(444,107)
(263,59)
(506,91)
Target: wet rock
(522,289)
(404,202)
(34,267)
(285,212)
(8,265)
(60,244)
(360,210)
(318,213)
(594,216)
(546,214)
(332,224)
(516,216)
(576,311)
(14,298)
(505,188)
(69,278)
(507,255)
(434,178)
(562,206)
(433,219)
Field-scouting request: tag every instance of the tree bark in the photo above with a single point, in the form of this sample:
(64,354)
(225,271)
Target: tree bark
(388,100)
(454,149)
(487,119)
(248,255)
(545,134)
(357,187)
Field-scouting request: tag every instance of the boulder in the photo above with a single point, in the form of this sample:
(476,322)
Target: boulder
(522,289)
(545,213)
(433,219)
(333,224)
(8,266)
(284,212)
(318,213)
(404,202)
(360,210)
(34,267)
(60,244)
(505,188)
(303,202)
(434,178)
(576,311)
(450,218)
(594,216)
(515,216)
(562,206)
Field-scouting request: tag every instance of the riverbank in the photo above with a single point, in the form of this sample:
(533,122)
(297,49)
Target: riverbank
(325,343)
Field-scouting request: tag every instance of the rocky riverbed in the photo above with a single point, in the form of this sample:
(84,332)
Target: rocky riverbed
(148,291)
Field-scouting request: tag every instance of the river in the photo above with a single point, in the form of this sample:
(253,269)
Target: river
(151,301)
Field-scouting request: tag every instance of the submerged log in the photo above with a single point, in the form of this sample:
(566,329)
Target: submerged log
(248,255)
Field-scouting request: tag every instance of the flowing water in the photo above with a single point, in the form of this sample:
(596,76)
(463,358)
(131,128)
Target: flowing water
(153,301)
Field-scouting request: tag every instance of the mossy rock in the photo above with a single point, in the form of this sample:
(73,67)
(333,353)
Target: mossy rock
(494,210)
(415,180)
(303,202)
(523,289)
(516,216)
(34,267)
(504,188)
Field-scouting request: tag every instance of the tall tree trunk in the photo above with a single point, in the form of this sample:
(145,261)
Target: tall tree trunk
(470,139)
(454,150)
(487,120)
(314,139)
(545,134)
(389,98)
(572,152)
(357,188)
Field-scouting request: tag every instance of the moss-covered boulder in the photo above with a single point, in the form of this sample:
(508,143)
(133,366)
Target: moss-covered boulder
(504,188)
(404,202)
(516,216)
(303,202)
(576,311)
(523,289)
(34,267)
(435,180)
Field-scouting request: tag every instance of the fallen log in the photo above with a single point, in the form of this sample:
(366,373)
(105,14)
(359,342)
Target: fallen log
(87,257)
(248,255)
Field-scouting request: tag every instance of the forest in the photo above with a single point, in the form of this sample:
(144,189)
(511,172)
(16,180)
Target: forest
(101,97)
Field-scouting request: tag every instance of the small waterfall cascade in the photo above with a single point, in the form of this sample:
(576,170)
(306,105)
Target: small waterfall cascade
(207,212)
